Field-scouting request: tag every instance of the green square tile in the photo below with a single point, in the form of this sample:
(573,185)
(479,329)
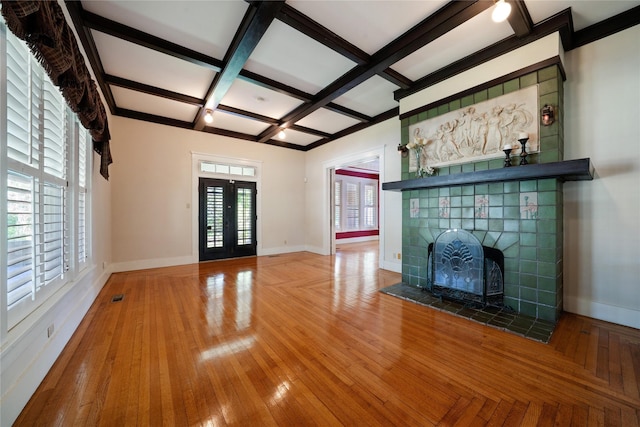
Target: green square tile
(528,226)
(547,298)
(547,241)
(455,213)
(512,303)
(432,112)
(546,255)
(511,85)
(528,253)
(512,212)
(455,191)
(512,225)
(546,284)
(455,105)
(529,280)
(547,212)
(467,224)
(496,188)
(455,201)
(512,199)
(495,199)
(528,239)
(528,267)
(550,156)
(455,169)
(467,101)
(547,226)
(468,201)
(529,294)
(546,198)
(467,190)
(468,212)
(413,120)
(495,91)
(528,308)
(528,186)
(528,80)
(548,86)
(512,251)
(480,96)
(482,189)
(444,223)
(506,240)
(495,212)
(443,109)
(547,184)
(496,163)
(455,222)
(482,224)
(422,116)
(443,191)
(481,166)
(548,73)
(511,187)
(496,225)
(547,269)
(547,313)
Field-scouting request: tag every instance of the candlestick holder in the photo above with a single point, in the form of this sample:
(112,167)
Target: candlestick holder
(507,159)
(523,151)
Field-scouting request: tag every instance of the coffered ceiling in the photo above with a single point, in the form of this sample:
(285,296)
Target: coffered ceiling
(318,69)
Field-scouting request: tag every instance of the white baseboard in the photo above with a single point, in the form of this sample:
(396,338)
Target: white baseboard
(392,266)
(608,313)
(26,358)
(144,264)
(280,250)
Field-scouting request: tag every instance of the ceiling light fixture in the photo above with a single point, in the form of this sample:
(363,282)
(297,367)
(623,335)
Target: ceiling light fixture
(281,134)
(208,117)
(501,11)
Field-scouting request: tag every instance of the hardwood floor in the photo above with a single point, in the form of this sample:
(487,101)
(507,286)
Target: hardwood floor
(302,339)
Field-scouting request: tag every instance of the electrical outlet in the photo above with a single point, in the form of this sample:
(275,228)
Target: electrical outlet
(399,255)
(50,331)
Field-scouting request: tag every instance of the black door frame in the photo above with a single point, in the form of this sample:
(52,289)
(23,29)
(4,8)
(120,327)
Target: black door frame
(230,247)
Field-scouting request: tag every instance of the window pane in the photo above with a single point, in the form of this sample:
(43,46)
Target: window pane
(20,238)
(215,217)
(353,206)
(248,171)
(245,223)
(236,170)
(54,131)
(52,247)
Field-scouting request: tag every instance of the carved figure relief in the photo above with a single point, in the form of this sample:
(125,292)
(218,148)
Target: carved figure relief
(478,131)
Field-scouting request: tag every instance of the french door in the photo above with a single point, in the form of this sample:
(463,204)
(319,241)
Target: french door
(227,220)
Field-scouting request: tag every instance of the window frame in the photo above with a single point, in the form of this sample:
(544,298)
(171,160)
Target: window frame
(60,171)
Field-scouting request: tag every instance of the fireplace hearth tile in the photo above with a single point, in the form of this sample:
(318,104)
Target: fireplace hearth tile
(496,317)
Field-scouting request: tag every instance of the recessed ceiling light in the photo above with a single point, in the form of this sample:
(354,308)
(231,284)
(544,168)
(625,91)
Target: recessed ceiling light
(501,11)
(281,134)
(208,117)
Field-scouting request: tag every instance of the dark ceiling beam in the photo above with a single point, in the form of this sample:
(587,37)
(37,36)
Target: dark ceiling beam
(247,114)
(152,90)
(274,85)
(336,108)
(561,22)
(86,38)
(310,131)
(146,117)
(115,29)
(253,27)
(607,27)
(519,18)
(323,35)
(444,20)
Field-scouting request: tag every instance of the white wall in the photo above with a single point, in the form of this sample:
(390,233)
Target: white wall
(152,209)
(381,139)
(27,353)
(602,229)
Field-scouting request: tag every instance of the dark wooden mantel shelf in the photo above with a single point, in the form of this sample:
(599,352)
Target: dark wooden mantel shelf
(568,170)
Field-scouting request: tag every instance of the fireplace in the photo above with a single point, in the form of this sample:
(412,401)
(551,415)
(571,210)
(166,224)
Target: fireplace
(459,267)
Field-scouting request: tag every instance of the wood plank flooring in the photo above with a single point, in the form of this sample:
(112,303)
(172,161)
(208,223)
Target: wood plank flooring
(302,339)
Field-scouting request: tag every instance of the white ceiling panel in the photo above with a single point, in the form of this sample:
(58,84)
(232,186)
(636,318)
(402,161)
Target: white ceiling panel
(464,40)
(130,61)
(223,120)
(298,138)
(206,27)
(150,104)
(298,61)
(584,12)
(327,121)
(258,99)
(369,25)
(371,97)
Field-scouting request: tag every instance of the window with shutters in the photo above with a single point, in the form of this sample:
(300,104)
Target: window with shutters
(355,203)
(45,173)
(369,211)
(338,205)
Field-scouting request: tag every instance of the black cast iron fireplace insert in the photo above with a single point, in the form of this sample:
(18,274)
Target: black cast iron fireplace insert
(459,267)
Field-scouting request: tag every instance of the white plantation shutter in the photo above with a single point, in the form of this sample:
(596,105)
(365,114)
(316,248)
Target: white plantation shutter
(21,196)
(45,182)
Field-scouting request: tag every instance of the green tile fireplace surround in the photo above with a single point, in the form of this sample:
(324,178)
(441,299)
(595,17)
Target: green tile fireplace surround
(522,212)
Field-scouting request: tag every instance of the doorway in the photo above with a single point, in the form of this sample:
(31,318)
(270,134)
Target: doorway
(227,219)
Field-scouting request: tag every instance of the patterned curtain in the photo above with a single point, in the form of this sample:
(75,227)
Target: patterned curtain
(41,24)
